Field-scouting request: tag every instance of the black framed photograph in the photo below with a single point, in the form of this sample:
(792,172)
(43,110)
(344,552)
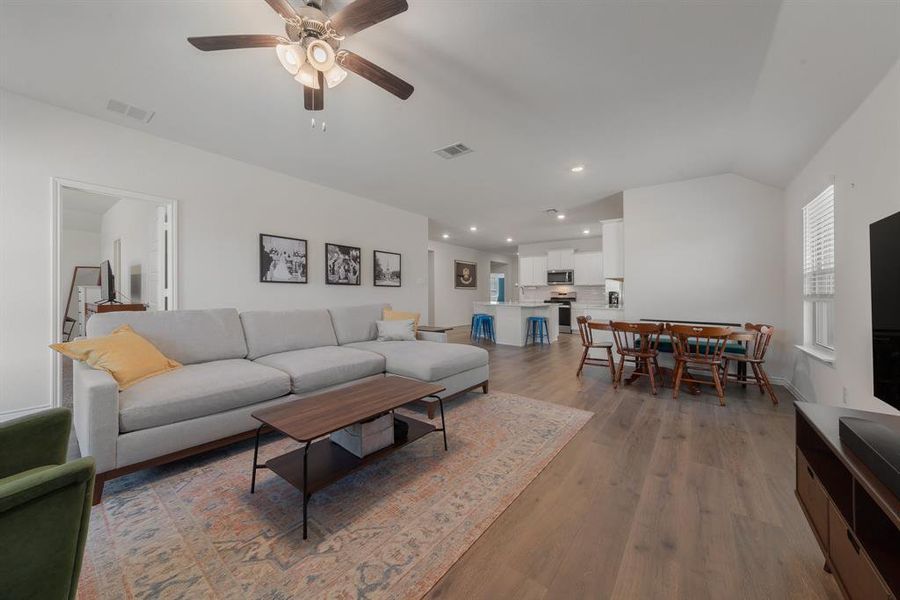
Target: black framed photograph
(282,259)
(465,275)
(386,269)
(343,265)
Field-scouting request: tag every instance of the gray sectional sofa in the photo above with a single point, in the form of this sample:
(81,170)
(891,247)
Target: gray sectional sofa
(235,364)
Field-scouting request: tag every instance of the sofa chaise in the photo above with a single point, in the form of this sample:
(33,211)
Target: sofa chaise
(235,364)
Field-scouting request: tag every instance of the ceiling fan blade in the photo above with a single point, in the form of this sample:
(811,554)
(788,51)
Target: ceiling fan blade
(232,42)
(283,8)
(384,79)
(360,14)
(315,99)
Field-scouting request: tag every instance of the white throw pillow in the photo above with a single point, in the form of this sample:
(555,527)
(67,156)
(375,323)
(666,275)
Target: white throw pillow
(396,331)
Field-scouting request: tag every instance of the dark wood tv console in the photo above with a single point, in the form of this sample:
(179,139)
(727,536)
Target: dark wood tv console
(855,518)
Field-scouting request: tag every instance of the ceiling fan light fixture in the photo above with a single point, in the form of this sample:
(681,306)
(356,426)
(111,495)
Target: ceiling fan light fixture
(334,76)
(320,55)
(291,57)
(308,76)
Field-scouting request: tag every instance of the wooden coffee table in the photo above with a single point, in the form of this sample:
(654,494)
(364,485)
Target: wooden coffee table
(319,462)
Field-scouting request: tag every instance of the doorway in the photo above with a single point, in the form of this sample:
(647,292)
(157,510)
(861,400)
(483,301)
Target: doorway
(129,236)
(499,277)
(431,318)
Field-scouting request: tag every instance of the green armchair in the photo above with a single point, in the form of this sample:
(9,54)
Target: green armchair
(45,506)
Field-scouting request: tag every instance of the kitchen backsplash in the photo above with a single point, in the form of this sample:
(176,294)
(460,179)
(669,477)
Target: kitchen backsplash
(589,294)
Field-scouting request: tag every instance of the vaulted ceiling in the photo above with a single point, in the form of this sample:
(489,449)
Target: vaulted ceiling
(638,92)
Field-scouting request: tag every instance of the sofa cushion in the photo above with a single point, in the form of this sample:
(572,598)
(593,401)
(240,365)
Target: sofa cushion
(187,336)
(273,331)
(316,368)
(426,361)
(356,323)
(197,391)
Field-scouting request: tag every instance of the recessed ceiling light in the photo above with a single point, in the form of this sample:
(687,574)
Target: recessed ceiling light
(586,232)
(560,216)
(578,168)
(473,228)
(445,236)
(508,240)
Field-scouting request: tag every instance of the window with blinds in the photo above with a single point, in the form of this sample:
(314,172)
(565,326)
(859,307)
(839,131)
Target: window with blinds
(818,267)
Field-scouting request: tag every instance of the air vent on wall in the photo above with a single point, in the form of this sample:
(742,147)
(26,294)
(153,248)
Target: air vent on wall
(127,110)
(453,151)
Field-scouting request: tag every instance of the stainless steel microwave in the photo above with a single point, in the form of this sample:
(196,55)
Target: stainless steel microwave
(564,277)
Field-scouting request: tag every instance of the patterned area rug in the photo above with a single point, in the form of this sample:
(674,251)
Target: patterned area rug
(389,530)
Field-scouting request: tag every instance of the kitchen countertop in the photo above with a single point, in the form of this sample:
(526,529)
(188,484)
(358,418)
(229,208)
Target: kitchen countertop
(597,305)
(519,304)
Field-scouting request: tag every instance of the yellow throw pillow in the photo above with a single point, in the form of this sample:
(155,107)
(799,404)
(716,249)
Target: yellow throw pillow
(397,315)
(125,355)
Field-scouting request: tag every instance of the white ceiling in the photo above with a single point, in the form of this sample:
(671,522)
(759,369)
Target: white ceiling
(83,211)
(640,93)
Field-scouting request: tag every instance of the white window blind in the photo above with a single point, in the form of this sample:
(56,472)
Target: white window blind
(818,247)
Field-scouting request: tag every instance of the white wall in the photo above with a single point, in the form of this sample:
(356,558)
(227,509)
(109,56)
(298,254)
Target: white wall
(453,307)
(223,206)
(862,159)
(708,249)
(134,223)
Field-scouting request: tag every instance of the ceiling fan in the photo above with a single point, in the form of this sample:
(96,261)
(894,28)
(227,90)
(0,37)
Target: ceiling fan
(312,52)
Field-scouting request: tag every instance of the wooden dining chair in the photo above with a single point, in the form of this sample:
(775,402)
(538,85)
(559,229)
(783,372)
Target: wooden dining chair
(586,329)
(698,346)
(755,357)
(638,343)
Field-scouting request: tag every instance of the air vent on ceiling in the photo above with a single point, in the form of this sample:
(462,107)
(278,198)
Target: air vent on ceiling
(139,114)
(453,151)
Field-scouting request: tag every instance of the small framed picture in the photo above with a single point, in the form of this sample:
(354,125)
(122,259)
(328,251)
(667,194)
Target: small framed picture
(343,265)
(465,275)
(282,259)
(386,269)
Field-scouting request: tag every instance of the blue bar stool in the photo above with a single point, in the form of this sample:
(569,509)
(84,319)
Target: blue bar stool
(483,327)
(538,329)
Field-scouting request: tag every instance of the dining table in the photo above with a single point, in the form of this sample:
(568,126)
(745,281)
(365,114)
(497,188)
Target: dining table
(740,337)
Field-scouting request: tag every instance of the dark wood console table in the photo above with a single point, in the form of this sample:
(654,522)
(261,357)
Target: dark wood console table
(91,308)
(855,518)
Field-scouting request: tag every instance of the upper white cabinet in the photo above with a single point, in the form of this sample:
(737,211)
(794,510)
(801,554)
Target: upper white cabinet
(588,268)
(532,270)
(613,250)
(539,270)
(561,260)
(525,266)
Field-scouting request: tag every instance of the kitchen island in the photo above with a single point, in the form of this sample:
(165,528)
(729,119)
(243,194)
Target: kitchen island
(510,319)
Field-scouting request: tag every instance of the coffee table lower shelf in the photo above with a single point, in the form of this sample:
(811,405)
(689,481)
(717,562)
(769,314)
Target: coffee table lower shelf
(328,462)
(316,465)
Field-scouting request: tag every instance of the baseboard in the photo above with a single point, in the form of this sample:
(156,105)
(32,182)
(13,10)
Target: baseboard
(789,386)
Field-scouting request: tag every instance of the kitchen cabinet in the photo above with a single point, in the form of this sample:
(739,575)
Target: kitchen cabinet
(588,268)
(614,249)
(561,260)
(540,270)
(532,271)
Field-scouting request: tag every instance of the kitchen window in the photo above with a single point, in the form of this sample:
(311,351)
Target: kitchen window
(818,273)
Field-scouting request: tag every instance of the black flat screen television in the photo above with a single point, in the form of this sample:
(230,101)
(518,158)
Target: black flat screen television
(107,282)
(884,248)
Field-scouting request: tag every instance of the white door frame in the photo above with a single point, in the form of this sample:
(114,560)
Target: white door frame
(57,183)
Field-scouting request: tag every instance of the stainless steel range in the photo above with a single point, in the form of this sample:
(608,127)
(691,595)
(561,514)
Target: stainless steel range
(565,310)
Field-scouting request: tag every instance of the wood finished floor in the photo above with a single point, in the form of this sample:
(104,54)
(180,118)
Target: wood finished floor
(654,498)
